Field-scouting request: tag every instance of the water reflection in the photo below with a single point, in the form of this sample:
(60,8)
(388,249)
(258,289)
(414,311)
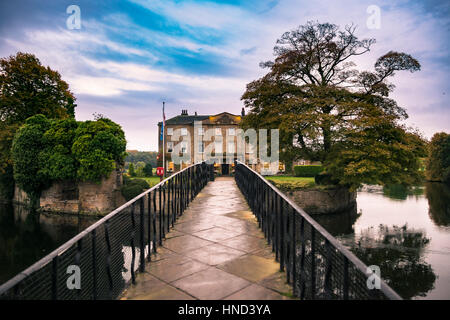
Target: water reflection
(406,231)
(340,223)
(26,237)
(438,195)
(398,251)
(401,192)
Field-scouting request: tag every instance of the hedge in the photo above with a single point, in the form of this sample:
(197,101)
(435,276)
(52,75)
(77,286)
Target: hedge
(307,171)
(133,187)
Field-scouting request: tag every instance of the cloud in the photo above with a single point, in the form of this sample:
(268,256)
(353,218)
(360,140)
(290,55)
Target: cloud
(199,55)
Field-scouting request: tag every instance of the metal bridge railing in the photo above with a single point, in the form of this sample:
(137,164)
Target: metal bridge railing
(316,264)
(111,251)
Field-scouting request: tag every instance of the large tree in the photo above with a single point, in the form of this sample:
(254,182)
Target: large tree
(27,88)
(325,107)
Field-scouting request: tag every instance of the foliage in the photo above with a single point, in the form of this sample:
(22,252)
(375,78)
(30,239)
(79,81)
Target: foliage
(57,162)
(133,187)
(387,155)
(148,170)
(28,88)
(307,170)
(131,171)
(139,168)
(50,150)
(329,111)
(26,147)
(134,156)
(97,147)
(438,161)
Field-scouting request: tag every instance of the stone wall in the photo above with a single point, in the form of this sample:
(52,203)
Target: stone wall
(83,197)
(318,201)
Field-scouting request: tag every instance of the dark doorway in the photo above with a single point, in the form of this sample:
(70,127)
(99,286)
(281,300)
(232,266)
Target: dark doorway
(225,169)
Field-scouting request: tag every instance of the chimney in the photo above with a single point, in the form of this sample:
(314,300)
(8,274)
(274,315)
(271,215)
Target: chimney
(184,112)
(243,111)
(195,112)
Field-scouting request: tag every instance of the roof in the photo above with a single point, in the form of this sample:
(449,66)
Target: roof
(182,119)
(189,119)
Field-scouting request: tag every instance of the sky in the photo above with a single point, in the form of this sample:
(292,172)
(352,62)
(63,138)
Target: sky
(131,55)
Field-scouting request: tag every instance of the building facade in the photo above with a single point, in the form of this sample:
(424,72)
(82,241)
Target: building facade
(193,138)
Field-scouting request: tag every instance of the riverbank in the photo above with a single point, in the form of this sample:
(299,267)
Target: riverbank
(315,199)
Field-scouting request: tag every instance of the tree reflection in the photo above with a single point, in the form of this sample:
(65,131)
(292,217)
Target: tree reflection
(398,251)
(401,192)
(438,195)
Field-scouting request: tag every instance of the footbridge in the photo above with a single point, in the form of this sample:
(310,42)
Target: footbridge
(194,236)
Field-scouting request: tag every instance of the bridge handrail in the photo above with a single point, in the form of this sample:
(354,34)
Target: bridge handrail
(187,191)
(386,291)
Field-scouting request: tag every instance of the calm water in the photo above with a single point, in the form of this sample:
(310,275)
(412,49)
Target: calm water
(404,231)
(26,237)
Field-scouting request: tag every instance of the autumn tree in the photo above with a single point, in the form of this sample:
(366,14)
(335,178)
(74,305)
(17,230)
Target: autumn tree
(27,88)
(327,109)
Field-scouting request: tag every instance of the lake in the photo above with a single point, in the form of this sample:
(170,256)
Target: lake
(26,237)
(405,231)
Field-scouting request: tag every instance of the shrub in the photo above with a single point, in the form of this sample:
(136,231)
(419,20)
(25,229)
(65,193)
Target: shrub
(46,150)
(148,170)
(133,187)
(307,171)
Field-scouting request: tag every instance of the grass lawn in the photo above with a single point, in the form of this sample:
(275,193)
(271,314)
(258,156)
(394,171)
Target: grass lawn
(150,180)
(291,183)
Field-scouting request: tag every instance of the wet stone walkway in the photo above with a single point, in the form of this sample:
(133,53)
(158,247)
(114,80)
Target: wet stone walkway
(215,251)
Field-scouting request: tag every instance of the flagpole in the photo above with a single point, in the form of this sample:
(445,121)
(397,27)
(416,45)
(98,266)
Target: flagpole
(164,142)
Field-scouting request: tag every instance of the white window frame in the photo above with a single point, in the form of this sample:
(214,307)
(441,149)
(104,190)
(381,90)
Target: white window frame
(233,149)
(183,148)
(218,132)
(231,131)
(169,131)
(220,145)
(201,131)
(183,132)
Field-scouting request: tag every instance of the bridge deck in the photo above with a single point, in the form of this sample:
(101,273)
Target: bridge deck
(215,251)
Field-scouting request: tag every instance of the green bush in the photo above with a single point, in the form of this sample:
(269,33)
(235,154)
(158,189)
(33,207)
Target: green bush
(307,171)
(133,187)
(46,150)
(148,170)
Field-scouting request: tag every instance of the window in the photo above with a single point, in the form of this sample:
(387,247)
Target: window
(169,131)
(248,147)
(231,131)
(218,147)
(183,146)
(201,147)
(218,131)
(169,146)
(184,131)
(201,131)
(230,148)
